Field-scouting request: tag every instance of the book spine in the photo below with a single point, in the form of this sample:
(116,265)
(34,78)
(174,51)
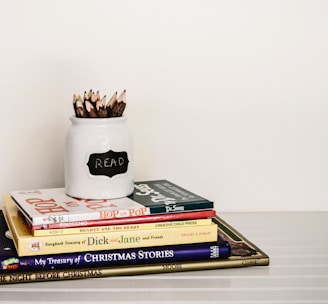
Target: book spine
(116,228)
(74,217)
(97,272)
(181,207)
(131,220)
(31,246)
(147,255)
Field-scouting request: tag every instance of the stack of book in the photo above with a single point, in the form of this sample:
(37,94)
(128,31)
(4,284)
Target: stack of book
(160,228)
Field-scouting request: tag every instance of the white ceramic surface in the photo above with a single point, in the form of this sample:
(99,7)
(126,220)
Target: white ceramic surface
(98,158)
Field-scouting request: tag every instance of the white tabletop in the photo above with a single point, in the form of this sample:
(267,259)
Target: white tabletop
(297,244)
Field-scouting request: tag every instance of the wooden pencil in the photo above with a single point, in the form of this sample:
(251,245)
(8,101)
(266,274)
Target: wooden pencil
(101,107)
(119,106)
(91,110)
(79,108)
(110,104)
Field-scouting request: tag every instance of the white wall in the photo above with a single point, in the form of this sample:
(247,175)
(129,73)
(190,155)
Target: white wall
(226,98)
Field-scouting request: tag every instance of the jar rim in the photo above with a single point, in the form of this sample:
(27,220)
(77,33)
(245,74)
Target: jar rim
(97,120)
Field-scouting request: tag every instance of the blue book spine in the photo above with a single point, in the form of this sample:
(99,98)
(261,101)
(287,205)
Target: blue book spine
(147,255)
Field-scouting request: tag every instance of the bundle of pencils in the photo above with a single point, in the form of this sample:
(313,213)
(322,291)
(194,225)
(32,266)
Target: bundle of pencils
(92,106)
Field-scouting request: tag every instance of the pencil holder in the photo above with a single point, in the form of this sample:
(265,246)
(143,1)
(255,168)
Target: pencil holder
(98,158)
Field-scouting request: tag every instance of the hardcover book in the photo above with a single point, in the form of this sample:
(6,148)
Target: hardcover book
(29,245)
(243,254)
(126,227)
(47,206)
(11,262)
(130,220)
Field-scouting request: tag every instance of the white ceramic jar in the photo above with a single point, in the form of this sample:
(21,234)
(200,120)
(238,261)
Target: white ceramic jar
(98,158)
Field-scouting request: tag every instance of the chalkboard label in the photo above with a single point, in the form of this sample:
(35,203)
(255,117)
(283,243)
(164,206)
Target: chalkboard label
(109,163)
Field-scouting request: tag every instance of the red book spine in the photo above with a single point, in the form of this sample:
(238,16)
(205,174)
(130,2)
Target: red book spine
(131,220)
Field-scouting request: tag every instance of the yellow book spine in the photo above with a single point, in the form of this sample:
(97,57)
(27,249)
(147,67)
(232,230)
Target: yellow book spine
(29,246)
(121,228)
